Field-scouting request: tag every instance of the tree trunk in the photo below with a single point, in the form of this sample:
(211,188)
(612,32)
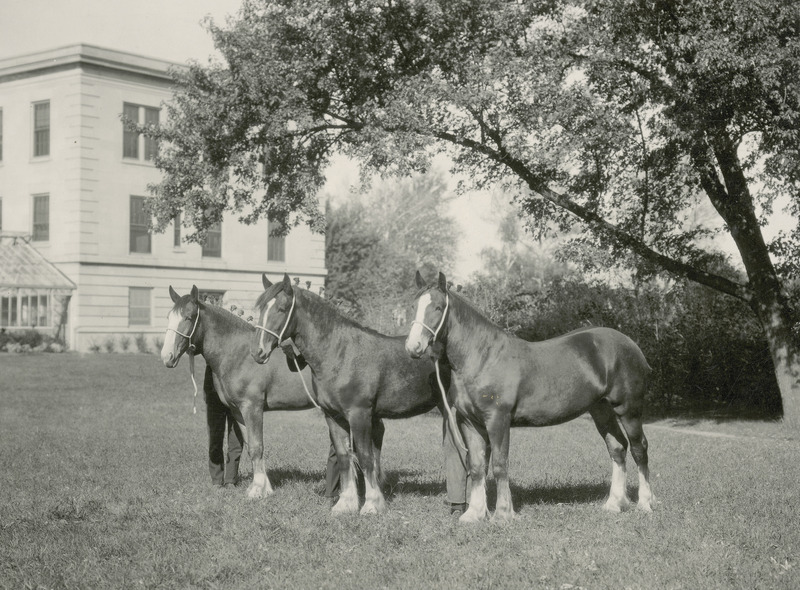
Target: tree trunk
(734,203)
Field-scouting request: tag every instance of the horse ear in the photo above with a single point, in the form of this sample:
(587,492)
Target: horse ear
(419,280)
(265,281)
(287,284)
(195,294)
(442,282)
(173,295)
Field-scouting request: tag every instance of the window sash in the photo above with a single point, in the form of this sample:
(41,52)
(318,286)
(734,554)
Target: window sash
(41,128)
(213,245)
(276,245)
(41,218)
(130,139)
(150,144)
(176,236)
(139,227)
(139,306)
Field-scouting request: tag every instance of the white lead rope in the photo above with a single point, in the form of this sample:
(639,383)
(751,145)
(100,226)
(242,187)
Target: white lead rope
(455,433)
(308,393)
(194,382)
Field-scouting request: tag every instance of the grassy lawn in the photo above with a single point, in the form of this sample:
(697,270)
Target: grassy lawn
(104,480)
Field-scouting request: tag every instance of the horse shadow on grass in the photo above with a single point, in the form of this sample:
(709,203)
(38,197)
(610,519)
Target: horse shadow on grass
(405,482)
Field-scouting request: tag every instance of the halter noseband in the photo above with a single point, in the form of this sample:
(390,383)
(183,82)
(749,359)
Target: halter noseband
(435,333)
(188,336)
(285,325)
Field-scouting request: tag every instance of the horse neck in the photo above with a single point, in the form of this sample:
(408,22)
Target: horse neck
(469,335)
(313,335)
(218,337)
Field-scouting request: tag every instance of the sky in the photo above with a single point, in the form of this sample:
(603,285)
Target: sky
(172,30)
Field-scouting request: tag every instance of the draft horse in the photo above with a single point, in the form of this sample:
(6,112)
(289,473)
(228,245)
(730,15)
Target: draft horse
(248,389)
(502,381)
(359,377)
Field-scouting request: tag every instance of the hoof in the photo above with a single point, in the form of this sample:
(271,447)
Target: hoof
(256,492)
(617,505)
(502,516)
(645,505)
(471,516)
(345,507)
(378,507)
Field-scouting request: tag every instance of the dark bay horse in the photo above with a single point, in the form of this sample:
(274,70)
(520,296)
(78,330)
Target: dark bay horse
(502,381)
(245,387)
(360,376)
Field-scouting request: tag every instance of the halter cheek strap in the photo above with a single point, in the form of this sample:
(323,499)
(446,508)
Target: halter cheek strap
(285,325)
(191,334)
(435,333)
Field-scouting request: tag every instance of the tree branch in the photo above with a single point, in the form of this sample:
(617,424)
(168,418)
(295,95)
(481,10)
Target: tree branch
(536,184)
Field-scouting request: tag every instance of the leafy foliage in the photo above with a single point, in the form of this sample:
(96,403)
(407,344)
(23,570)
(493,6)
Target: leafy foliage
(375,245)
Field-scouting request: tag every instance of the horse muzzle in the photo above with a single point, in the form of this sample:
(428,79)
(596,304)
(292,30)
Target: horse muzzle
(415,349)
(170,360)
(260,355)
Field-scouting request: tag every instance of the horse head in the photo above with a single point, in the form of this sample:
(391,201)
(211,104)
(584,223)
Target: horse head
(276,320)
(432,304)
(181,330)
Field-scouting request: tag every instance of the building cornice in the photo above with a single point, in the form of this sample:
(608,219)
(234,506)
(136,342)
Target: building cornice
(88,57)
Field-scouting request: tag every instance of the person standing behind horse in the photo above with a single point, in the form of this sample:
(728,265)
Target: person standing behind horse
(224,470)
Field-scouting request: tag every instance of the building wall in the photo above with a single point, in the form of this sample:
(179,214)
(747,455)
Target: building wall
(90,185)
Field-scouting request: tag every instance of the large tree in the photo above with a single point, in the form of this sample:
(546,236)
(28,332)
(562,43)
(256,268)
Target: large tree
(618,114)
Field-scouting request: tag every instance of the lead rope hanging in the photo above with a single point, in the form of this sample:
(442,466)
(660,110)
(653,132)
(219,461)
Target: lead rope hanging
(194,382)
(455,433)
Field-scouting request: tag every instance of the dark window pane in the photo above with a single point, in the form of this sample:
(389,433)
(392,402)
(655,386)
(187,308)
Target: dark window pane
(41,218)
(276,245)
(213,244)
(41,129)
(140,226)
(130,139)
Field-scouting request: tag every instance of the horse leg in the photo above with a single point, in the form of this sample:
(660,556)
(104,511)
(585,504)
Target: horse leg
(499,431)
(633,428)
(254,426)
(607,425)
(363,441)
(348,497)
(477,443)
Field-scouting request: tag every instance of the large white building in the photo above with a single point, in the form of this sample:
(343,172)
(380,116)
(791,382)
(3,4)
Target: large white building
(73,182)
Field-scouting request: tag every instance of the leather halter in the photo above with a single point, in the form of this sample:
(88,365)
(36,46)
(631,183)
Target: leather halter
(435,333)
(188,336)
(285,325)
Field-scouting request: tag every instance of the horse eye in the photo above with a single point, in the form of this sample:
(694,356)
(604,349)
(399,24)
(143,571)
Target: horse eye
(438,308)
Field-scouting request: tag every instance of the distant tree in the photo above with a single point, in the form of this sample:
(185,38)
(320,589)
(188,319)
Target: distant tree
(375,244)
(616,113)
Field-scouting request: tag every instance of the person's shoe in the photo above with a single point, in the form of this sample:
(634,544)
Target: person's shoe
(457,509)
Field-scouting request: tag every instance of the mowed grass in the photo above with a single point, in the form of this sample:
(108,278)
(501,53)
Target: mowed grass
(104,481)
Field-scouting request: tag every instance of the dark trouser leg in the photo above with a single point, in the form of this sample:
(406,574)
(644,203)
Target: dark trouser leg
(215,418)
(332,474)
(456,469)
(235,440)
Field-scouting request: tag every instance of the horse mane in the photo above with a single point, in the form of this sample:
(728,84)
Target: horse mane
(226,315)
(474,320)
(329,317)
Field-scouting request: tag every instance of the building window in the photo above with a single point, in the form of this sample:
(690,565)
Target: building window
(26,310)
(41,128)
(41,218)
(212,297)
(276,245)
(176,235)
(139,306)
(134,145)
(140,226)
(213,244)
